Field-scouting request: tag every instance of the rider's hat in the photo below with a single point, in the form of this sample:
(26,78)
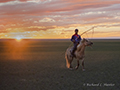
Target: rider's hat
(76,29)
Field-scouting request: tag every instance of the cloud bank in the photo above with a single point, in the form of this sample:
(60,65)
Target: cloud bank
(50,15)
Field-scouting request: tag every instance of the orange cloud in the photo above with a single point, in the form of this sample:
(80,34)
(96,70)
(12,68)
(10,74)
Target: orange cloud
(3,1)
(56,15)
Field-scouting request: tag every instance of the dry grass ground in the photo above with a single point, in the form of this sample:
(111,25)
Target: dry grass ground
(40,65)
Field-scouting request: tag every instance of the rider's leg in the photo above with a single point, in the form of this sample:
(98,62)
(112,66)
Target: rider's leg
(74,48)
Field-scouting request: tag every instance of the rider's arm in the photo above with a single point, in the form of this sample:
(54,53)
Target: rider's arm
(72,39)
(79,39)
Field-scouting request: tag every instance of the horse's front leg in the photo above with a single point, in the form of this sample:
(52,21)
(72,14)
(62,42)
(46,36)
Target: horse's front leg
(83,68)
(77,65)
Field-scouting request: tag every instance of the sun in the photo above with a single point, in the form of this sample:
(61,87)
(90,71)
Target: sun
(18,39)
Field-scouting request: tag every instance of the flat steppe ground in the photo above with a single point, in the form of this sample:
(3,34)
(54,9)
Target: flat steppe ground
(40,65)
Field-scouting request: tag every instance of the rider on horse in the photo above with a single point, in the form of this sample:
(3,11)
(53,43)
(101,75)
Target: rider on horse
(76,40)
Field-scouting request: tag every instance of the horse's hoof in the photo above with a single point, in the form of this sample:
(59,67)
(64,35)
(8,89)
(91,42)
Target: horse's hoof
(76,68)
(70,68)
(83,70)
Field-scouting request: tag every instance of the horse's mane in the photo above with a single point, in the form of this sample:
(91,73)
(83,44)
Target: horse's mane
(80,44)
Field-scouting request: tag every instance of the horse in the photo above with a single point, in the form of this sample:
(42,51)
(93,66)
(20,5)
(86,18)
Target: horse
(79,54)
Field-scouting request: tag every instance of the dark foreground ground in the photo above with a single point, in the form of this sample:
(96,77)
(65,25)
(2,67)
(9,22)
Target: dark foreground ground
(40,65)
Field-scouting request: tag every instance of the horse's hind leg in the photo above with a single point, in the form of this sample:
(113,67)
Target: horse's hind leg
(71,62)
(70,65)
(77,65)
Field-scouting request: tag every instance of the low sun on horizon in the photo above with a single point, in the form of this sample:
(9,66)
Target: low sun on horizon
(18,39)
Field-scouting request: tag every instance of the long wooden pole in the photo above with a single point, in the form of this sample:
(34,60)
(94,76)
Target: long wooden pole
(87,30)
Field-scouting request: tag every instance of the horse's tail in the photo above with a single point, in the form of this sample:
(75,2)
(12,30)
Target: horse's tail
(67,60)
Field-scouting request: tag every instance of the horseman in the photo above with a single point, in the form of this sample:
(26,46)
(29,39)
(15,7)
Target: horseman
(76,38)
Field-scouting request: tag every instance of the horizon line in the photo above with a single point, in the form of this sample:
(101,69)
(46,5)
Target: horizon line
(62,38)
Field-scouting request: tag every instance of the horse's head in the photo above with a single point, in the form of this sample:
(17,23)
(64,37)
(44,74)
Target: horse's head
(87,42)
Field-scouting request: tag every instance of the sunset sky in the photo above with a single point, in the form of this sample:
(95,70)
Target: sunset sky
(57,19)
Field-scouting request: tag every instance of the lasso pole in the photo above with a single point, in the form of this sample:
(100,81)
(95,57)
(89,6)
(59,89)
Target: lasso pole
(83,33)
(87,30)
